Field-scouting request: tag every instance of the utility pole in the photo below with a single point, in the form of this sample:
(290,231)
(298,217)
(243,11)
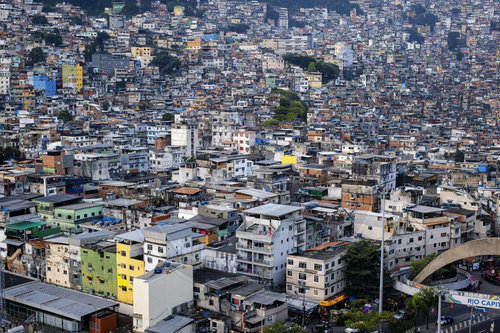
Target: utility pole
(381,291)
(470,323)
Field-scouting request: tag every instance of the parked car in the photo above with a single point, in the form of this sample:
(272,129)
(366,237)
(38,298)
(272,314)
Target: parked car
(446,320)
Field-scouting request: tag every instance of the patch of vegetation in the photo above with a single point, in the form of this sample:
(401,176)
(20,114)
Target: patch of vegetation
(362,269)
(39,20)
(239,28)
(291,107)
(36,55)
(447,271)
(7,153)
(454,41)
(415,36)
(65,116)
(168,116)
(168,64)
(295,23)
(418,15)
(329,71)
(96,46)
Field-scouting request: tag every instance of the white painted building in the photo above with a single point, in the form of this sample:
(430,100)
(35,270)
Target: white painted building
(160,293)
(268,234)
(186,135)
(174,242)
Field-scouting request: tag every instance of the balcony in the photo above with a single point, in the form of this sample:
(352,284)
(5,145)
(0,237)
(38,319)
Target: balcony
(259,274)
(244,259)
(244,247)
(262,262)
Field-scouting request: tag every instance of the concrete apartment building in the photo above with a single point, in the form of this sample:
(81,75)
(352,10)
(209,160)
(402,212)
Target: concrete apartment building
(164,291)
(57,261)
(317,273)
(98,265)
(175,242)
(129,263)
(268,234)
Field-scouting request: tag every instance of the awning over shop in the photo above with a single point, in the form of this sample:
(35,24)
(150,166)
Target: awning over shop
(333,301)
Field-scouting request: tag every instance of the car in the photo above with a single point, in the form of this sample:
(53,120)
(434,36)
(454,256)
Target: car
(400,315)
(446,320)
(352,330)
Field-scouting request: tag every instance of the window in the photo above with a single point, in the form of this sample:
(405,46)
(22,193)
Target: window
(124,277)
(131,267)
(327,266)
(289,287)
(150,247)
(150,260)
(78,217)
(123,253)
(290,262)
(315,292)
(160,249)
(289,273)
(302,276)
(124,288)
(318,267)
(316,278)
(302,264)
(85,215)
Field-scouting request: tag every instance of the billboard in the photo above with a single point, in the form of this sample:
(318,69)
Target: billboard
(493,302)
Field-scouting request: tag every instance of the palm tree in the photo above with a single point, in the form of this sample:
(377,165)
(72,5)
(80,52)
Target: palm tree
(415,305)
(429,298)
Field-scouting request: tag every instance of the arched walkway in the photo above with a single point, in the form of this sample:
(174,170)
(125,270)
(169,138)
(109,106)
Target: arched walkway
(487,246)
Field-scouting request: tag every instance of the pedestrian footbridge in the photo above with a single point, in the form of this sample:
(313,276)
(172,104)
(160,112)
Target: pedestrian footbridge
(480,247)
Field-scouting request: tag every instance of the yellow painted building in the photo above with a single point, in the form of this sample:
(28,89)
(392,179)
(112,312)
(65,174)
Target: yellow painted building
(72,76)
(129,262)
(140,51)
(194,44)
(288,159)
(314,79)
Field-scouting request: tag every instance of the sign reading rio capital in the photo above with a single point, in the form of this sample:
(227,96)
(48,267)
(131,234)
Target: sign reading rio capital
(492,302)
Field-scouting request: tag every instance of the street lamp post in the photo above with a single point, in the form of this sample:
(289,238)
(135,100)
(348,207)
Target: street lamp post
(439,292)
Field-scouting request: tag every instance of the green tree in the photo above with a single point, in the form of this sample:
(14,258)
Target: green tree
(415,305)
(272,122)
(35,56)
(39,19)
(239,28)
(167,116)
(168,64)
(459,156)
(53,39)
(362,265)
(280,327)
(76,20)
(429,299)
(312,67)
(366,321)
(7,153)
(47,8)
(65,116)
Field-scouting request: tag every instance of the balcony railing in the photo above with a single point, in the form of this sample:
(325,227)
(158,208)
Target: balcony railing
(260,249)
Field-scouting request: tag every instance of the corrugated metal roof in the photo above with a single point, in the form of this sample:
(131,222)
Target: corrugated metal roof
(56,300)
(170,325)
(273,210)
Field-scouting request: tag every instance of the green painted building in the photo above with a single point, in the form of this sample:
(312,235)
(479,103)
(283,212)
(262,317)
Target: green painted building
(47,205)
(98,265)
(69,217)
